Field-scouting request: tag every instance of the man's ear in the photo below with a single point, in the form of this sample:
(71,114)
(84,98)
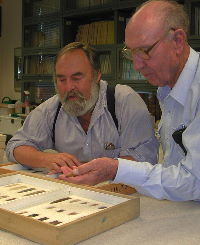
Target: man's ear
(98,76)
(180,39)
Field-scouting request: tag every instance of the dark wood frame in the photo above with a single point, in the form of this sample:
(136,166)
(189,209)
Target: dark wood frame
(0,19)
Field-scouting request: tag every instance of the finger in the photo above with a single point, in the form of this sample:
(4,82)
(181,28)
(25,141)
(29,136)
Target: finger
(71,159)
(51,172)
(66,170)
(83,180)
(65,162)
(54,167)
(62,163)
(70,179)
(69,163)
(84,169)
(62,177)
(75,161)
(69,172)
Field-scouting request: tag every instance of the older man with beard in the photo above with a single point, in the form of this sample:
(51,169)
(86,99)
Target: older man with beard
(84,125)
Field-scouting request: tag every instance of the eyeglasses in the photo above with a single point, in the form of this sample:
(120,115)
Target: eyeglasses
(141,52)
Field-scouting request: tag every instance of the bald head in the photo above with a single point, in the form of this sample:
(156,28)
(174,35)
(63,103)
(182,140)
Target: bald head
(157,40)
(157,16)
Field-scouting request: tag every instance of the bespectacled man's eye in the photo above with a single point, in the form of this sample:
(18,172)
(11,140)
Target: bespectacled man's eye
(145,50)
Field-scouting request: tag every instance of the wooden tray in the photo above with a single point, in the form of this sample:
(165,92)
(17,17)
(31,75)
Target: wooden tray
(13,167)
(54,212)
(4,168)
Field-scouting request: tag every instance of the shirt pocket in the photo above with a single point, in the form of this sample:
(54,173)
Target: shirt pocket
(106,152)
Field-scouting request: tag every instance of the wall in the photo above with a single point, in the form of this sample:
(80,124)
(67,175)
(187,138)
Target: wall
(10,39)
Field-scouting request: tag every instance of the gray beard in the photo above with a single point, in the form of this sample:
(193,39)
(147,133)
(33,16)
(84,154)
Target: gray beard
(82,105)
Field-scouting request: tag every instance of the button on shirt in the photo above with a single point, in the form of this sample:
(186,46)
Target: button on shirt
(135,136)
(178,178)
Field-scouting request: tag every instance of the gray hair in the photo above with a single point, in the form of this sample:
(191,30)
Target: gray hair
(172,14)
(90,52)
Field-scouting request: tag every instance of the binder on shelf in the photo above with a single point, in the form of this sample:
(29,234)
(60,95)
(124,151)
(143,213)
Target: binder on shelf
(96,33)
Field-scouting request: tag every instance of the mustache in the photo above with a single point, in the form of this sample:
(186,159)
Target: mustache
(73,93)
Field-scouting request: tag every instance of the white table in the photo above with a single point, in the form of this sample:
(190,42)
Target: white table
(160,223)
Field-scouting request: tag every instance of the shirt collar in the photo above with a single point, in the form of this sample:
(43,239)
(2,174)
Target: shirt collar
(184,81)
(101,102)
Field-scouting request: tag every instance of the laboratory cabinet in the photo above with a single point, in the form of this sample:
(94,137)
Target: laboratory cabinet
(48,25)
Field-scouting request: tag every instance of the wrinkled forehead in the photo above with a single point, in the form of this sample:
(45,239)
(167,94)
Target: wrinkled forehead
(144,27)
(141,34)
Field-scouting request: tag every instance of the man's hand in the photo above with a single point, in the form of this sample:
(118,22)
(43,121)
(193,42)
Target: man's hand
(31,157)
(54,161)
(91,173)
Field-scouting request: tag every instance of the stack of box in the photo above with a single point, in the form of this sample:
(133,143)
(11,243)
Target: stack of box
(2,146)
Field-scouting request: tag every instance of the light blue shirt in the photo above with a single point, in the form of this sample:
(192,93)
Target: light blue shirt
(135,136)
(178,177)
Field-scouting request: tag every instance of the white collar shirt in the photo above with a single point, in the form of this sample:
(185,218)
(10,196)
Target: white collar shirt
(178,177)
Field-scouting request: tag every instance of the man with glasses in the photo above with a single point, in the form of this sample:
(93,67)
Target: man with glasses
(156,42)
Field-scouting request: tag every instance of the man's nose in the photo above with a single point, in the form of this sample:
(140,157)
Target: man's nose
(69,85)
(138,63)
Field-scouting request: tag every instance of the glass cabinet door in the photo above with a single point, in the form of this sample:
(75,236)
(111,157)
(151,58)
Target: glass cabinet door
(42,35)
(194,18)
(35,8)
(39,90)
(126,70)
(87,4)
(38,64)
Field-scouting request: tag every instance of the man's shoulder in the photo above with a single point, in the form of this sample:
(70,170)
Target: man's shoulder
(125,96)
(122,90)
(123,93)
(49,105)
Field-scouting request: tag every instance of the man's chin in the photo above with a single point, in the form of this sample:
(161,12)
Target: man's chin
(153,82)
(74,110)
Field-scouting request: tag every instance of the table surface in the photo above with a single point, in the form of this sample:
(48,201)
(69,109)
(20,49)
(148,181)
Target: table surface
(160,222)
